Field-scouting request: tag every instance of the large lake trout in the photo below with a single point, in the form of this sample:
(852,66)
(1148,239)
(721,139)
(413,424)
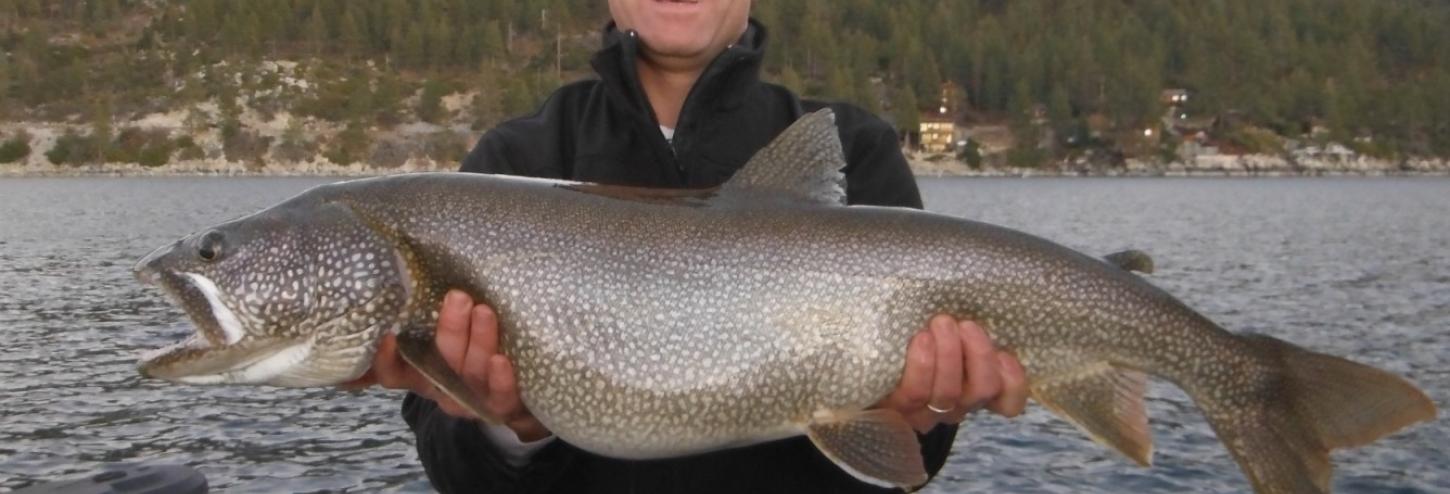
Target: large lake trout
(655,323)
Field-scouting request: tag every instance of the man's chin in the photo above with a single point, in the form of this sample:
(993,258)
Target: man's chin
(663,48)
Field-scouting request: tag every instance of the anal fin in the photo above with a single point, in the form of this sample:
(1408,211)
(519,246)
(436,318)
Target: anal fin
(876,446)
(420,350)
(1106,402)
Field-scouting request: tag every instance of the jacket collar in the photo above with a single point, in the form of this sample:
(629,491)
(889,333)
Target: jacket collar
(724,84)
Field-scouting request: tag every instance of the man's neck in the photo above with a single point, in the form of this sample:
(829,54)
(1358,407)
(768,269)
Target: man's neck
(667,83)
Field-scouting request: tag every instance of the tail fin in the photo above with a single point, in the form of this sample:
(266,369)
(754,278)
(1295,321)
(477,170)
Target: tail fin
(1309,404)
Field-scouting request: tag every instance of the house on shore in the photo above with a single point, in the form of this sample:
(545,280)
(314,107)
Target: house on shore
(938,133)
(938,129)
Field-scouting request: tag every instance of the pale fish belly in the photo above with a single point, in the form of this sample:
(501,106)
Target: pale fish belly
(646,360)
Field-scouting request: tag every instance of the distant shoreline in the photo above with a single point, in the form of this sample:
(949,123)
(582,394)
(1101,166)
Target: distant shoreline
(1235,166)
(89,173)
(1310,161)
(1207,166)
(1039,173)
(214,168)
(360,172)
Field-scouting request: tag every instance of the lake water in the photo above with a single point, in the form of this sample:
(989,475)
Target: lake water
(1353,267)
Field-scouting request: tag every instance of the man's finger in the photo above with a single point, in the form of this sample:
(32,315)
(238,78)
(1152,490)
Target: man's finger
(923,421)
(503,391)
(915,389)
(482,344)
(484,317)
(947,384)
(388,367)
(956,416)
(362,382)
(451,407)
(528,429)
(1013,399)
(452,335)
(983,381)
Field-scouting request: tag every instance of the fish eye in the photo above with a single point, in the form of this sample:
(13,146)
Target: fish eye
(209,248)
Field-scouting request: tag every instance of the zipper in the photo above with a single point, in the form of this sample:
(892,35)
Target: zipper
(685,123)
(631,69)
(687,109)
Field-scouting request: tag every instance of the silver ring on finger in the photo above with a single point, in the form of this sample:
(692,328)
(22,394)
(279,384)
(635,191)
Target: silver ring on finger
(929,406)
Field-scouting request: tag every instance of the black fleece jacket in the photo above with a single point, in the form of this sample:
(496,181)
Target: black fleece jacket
(604,131)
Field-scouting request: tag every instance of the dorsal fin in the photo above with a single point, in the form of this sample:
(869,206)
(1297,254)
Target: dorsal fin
(1131,260)
(804,162)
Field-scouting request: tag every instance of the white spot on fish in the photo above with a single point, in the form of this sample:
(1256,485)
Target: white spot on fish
(225,318)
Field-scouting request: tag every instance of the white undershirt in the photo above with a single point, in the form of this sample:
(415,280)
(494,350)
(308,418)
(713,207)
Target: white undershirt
(669,132)
(516,452)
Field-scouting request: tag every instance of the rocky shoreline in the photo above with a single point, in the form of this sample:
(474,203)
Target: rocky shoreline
(1330,160)
(921,168)
(211,168)
(1202,166)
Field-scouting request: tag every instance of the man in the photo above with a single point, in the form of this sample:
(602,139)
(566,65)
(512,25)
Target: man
(678,104)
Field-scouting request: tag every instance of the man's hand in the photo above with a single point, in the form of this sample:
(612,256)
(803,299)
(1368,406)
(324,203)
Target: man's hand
(954,366)
(468,340)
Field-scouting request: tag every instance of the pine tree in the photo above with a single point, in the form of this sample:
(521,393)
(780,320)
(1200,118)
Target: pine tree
(5,82)
(360,99)
(413,52)
(386,100)
(430,102)
(865,95)
(10,14)
(439,45)
(1059,108)
(228,106)
(838,85)
(101,10)
(351,33)
(201,19)
(487,105)
(928,77)
(518,97)
(317,33)
(492,41)
(240,33)
(792,80)
(906,110)
(349,146)
(1025,130)
(101,129)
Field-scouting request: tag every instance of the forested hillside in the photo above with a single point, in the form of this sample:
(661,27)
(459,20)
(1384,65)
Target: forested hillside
(1370,73)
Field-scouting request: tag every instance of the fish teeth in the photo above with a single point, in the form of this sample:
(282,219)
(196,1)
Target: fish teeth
(190,341)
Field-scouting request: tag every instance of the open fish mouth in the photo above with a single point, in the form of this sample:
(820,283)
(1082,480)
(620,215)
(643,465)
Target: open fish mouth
(200,298)
(221,351)
(217,327)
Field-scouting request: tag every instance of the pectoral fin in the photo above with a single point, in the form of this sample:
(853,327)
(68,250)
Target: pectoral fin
(419,350)
(876,446)
(1105,402)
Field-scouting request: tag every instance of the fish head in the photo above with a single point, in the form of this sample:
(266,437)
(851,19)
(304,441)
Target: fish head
(268,293)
